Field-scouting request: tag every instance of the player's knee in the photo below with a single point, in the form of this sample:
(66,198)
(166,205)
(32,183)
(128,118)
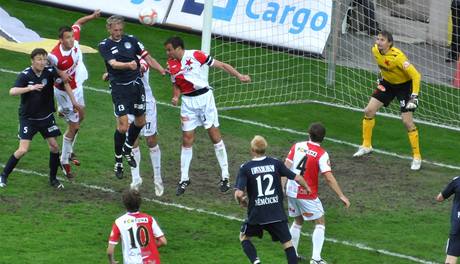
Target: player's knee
(369,112)
(122,128)
(20,152)
(54,147)
(152,141)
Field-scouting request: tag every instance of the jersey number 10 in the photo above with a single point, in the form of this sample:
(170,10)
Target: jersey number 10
(142,242)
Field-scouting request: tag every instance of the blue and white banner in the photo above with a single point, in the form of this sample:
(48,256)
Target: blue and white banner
(298,24)
(126,8)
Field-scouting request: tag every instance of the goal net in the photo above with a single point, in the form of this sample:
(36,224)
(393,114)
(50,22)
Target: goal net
(300,51)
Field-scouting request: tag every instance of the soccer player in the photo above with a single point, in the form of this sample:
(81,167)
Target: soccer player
(188,74)
(140,234)
(261,178)
(399,79)
(120,53)
(36,113)
(149,131)
(308,158)
(67,57)
(453,243)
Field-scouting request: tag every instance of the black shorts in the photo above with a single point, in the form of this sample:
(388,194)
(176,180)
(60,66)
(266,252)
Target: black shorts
(47,128)
(129,98)
(278,230)
(453,245)
(401,91)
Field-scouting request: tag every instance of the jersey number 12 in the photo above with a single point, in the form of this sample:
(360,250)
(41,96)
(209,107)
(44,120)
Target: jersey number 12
(269,190)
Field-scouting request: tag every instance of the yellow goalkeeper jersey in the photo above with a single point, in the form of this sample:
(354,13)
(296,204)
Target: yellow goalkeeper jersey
(395,68)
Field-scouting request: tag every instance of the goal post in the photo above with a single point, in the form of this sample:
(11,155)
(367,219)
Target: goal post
(299,51)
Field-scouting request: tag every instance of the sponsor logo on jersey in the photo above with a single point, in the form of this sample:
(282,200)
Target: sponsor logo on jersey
(127,45)
(44,81)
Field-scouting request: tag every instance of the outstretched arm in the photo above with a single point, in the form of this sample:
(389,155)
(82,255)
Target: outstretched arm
(154,64)
(81,21)
(229,68)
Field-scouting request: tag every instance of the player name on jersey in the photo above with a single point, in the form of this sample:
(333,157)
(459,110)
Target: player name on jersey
(263,169)
(266,200)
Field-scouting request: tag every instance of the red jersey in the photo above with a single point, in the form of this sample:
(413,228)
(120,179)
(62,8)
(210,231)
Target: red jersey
(68,60)
(138,232)
(315,159)
(188,74)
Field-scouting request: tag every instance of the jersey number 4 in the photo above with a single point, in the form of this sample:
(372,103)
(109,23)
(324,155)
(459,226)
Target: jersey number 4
(268,190)
(142,236)
(302,165)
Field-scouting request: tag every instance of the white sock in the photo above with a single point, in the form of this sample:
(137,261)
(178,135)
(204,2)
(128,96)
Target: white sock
(74,140)
(135,172)
(295,233)
(185,160)
(221,154)
(155,157)
(66,150)
(318,240)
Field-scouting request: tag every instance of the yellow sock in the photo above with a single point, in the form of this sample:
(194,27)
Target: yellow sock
(413,139)
(368,125)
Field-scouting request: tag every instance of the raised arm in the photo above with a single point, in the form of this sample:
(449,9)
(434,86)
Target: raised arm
(81,21)
(229,68)
(154,64)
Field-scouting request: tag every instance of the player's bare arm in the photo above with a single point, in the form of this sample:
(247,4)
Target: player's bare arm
(118,65)
(229,68)
(176,95)
(300,180)
(22,90)
(83,20)
(440,198)
(76,106)
(110,253)
(161,241)
(332,182)
(154,64)
(241,198)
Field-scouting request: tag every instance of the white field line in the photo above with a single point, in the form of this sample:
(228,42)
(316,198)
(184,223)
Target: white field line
(288,130)
(229,217)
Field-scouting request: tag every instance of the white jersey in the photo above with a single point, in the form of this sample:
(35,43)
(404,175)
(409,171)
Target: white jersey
(70,61)
(138,232)
(145,81)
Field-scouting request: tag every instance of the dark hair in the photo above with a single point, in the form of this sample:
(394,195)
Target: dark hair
(131,200)
(175,42)
(317,132)
(38,51)
(63,30)
(388,36)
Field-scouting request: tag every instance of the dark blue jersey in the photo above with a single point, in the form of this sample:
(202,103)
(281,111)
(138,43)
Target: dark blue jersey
(261,178)
(127,49)
(37,104)
(454,188)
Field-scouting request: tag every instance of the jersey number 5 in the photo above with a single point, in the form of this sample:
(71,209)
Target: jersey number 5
(268,190)
(141,230)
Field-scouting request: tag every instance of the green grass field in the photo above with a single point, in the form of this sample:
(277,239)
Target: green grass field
(393,208)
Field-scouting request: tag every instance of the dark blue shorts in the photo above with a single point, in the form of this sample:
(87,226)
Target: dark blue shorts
(47,128)
(279,231)
(453,245)
(129,98)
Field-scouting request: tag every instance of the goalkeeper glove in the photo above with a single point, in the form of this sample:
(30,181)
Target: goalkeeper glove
(380,85)
(413,102)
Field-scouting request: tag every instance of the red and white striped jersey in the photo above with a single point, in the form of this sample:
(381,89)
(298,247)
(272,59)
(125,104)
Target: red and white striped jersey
(315,159)
(70,61)
(138,232)
(189,73)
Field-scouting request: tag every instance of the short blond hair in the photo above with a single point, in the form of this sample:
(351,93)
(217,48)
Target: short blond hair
(115,19)
(259,145)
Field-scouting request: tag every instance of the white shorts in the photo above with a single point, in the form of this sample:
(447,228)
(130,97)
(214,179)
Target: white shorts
(150,127)
(198,111)
(309,209)
(65,105)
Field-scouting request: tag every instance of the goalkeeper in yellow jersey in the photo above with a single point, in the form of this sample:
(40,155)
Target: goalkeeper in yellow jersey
(400,79)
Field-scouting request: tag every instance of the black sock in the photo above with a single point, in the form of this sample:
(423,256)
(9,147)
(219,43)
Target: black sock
(249,250)
(54,165)
(119,140)
(10,165)
(133,133)
(291,255)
